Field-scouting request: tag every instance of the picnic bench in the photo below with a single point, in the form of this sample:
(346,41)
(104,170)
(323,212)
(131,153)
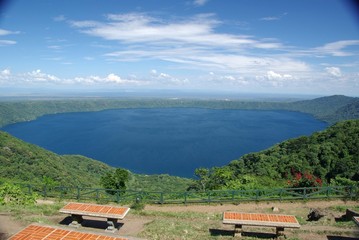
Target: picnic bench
(78,210)
(39,232)
(278,221)
(356,220)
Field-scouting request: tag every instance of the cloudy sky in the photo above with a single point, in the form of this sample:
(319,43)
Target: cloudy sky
(251,46)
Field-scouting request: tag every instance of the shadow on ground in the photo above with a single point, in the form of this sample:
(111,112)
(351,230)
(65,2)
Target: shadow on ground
(222,232)
(90,223)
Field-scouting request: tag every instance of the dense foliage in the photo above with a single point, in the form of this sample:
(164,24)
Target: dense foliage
(116,179)
(13,195)
(330,156)
(24,162)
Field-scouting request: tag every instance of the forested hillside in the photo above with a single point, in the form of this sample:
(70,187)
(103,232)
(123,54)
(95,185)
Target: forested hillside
(330,109)
(24,162)
(330,156)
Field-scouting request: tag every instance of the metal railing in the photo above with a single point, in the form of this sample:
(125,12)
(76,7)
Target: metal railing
(109,195)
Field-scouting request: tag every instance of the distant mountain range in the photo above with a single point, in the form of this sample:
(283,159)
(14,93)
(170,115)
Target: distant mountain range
(330,109)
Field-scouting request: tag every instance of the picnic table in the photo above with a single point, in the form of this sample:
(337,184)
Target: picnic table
(39,232)
(356,220)
(278,221)
(111,213)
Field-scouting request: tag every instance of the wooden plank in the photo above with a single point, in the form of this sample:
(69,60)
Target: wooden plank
(37,232)
(260,219)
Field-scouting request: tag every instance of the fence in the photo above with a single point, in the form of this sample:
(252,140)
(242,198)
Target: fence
(109,195)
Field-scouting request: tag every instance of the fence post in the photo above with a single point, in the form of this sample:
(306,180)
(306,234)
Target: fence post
(44,193)
(29,189)
(305,193)
(118,196)
(328,191)
(185,198)
(78,193)
(161,198)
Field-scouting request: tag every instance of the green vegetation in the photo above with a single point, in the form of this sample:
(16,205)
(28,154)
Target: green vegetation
(13,195)
(115,180)
(331,156)
(330,109)
(24,162)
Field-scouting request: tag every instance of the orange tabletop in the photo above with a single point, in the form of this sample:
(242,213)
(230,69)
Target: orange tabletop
(259,219)
(95,210)
(36,232)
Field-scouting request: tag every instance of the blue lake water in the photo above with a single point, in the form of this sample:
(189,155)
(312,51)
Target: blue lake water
(175,141)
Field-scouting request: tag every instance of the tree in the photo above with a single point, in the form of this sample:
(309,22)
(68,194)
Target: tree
(115,180)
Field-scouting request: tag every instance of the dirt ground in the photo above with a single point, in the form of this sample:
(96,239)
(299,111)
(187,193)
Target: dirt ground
(326,228)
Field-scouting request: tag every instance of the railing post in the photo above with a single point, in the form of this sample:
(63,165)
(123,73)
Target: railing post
(161,198)
(305,193)
(257,194)
(44,193)
(97,194)
(328,191)
(118,196)
(78,193)
(29,189)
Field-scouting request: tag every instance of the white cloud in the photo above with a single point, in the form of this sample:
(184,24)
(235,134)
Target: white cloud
(271,75)
(200,2)
(337,48)
(7,42)
(334,71)
(38,76)
(4,32)
(136,28)
(5,74)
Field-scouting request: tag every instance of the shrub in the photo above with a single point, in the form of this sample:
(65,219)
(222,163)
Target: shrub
(12,195)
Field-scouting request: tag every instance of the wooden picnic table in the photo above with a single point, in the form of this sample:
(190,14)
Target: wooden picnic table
(278,221)
(39,232)
(111,213)
(356,220)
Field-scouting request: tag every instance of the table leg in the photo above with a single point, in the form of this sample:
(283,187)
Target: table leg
(111,224)
(280,232)
(76,220)
(238,230)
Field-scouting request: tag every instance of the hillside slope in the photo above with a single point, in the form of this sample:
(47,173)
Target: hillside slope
(21,161)
(24,162)
(329,155)
(330,109)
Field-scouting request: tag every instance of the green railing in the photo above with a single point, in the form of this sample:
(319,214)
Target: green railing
(109,195)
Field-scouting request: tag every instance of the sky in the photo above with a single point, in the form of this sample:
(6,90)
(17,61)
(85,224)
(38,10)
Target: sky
(244,46)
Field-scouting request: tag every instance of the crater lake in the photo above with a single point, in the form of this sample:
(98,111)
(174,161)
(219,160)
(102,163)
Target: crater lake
(172,141)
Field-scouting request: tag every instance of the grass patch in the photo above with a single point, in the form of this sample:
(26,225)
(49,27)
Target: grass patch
(166,229)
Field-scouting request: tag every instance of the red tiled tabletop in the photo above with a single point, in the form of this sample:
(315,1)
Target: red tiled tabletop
(36,232)
(95,210)
(260,219)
